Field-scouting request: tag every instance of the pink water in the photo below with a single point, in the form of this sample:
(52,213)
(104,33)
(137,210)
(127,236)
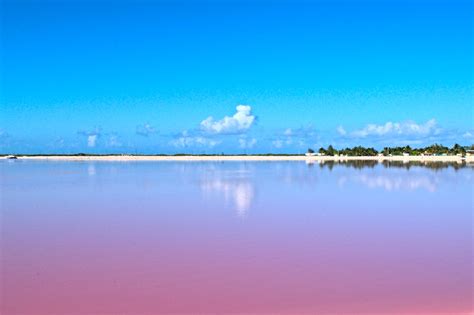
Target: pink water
(234,237)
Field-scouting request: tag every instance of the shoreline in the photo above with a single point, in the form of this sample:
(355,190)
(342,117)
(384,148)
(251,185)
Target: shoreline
(126,158)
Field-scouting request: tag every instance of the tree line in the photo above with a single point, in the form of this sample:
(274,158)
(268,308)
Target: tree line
(434,149)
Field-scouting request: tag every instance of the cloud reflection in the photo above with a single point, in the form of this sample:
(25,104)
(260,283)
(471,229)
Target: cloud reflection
(91,170)
(236,187)
(393,182)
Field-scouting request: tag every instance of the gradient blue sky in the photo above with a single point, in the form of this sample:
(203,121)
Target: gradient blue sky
(123,76)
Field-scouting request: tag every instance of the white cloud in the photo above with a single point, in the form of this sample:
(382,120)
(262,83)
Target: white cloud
(341,131)
(145,130)
(114,141)
(247,143)
(241,121)
(409,128)
(277,143)
(91,140)
(294,136)
(91,136)
(467,134)
(185,140)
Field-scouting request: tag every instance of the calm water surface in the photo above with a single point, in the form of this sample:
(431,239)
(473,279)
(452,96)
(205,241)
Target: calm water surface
(235,237)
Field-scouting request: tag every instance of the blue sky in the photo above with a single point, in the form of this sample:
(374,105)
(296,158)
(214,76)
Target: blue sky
(233,76)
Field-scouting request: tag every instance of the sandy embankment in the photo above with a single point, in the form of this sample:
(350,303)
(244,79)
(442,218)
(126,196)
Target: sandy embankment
(468,159)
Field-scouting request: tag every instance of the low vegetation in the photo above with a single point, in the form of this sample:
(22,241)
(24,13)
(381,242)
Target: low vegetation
(435,149)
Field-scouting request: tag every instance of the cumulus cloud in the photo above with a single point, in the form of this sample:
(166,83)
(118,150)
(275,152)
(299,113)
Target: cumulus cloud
(186,140)
(241,121)
(247,143)
(91,136)
(407,128)
(145,130)
(91,140)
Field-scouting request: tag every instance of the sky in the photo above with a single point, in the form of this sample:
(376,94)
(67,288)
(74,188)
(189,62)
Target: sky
(234,76)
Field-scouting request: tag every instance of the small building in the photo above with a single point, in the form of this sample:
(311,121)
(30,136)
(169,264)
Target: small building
(406,154)
(469,152)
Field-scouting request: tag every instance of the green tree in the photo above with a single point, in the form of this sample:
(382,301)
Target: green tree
(331,151)
(457,149)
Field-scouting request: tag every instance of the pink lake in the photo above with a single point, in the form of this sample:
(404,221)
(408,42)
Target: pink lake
(235,237)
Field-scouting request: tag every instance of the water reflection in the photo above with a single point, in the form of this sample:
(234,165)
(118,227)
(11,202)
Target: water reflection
(147,242)
(236,182)
(235,185)
(395,175)
(360,164)
(240,193)
(397,182)
(357,164)
(91,170)
(397,178)
(431,165)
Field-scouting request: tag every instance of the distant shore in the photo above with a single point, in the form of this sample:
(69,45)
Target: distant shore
(448,158)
